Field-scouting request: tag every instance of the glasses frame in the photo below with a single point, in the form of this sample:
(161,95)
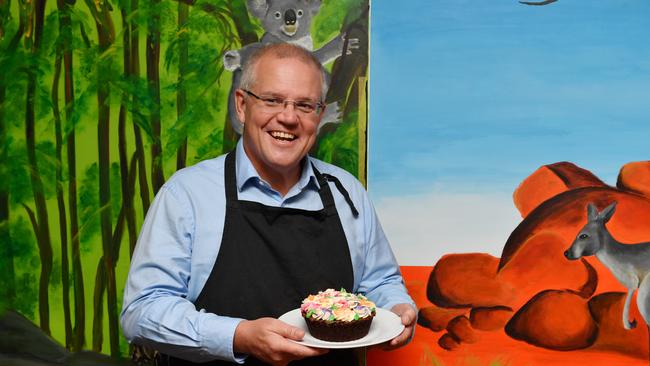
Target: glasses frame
(318,110)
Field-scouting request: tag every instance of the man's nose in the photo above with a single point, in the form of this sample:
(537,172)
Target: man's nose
(288,113)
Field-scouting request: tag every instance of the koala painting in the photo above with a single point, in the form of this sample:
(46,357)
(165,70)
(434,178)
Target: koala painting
(285,21)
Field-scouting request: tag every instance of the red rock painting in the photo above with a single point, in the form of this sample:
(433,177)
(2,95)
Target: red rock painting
(532,303)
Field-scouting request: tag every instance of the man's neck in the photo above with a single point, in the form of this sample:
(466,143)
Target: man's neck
(280,180)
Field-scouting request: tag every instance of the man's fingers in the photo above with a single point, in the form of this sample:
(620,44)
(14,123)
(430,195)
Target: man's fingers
(401,338)
(272,341)
(297,334)
(303,351)
(408,317)
(406,313)
(289,331)
(398,341)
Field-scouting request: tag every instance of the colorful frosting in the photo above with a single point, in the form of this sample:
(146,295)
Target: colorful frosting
(332,305)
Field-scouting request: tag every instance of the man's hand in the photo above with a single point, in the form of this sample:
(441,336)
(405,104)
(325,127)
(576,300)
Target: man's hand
(268,340)
(408,315)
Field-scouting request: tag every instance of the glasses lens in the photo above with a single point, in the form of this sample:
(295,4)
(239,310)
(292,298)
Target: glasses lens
(273,104)
(305,107)
(276,105)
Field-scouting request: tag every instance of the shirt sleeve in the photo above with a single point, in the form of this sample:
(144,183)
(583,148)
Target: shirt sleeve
(381,281)
(156,311)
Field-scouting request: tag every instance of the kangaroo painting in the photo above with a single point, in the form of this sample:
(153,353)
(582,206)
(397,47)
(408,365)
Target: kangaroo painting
(629,263)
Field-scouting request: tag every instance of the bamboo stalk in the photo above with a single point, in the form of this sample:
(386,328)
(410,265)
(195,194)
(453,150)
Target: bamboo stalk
(153,79)
(65,27)
(98,306)
(63,225)
(35,30)
(246,35)
(139,145)
(183,61)
(8,292)
(106,36)
(127,189)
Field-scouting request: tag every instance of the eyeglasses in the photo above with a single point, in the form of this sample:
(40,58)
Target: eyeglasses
(276,104)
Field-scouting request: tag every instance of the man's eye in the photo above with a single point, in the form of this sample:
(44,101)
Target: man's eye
(272,101)
(305,106)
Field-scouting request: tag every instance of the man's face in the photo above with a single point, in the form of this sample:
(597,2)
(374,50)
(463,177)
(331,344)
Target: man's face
(276,142)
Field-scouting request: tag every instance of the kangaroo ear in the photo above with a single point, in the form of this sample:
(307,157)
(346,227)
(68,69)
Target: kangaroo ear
(607,213)
(592,212)
(258,7)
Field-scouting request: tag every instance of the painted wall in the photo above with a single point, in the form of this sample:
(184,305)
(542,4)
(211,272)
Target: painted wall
(493,125)
(100,102)
(472,107)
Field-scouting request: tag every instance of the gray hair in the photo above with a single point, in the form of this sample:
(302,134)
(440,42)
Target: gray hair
(282,50)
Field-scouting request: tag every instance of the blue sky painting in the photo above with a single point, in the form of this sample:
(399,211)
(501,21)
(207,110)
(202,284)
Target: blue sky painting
(468,98)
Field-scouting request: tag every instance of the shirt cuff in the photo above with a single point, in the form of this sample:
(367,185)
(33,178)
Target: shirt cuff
(219,334)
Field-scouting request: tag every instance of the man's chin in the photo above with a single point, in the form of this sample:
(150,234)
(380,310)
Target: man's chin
(286,161)
(285,165)
(287,153)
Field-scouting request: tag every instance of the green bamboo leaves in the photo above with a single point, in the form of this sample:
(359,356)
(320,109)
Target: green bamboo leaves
(100,102)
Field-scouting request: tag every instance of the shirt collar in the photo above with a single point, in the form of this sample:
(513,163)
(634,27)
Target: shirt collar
(245,172)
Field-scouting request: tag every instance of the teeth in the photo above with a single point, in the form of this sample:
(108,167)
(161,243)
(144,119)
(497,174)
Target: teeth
(283,135)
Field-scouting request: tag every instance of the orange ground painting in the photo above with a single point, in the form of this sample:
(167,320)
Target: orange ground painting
(492,348)
(531,305)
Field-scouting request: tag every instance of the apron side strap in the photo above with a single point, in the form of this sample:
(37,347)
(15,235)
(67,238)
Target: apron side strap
(343,191)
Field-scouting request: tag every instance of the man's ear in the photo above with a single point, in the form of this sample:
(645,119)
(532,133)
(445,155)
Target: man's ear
(240,105)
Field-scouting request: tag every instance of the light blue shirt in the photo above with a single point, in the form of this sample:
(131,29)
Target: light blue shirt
(180,239)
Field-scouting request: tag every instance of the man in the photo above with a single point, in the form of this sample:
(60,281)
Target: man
(232,243)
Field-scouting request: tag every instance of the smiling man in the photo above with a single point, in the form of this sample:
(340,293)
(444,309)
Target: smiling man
(232,243)
(281,116)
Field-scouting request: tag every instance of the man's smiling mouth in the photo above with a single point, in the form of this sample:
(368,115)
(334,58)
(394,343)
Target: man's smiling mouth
(284,136)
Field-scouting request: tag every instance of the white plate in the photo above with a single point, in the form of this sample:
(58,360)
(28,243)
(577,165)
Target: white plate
(384,327)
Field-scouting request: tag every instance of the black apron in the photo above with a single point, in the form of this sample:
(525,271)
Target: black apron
(271,258)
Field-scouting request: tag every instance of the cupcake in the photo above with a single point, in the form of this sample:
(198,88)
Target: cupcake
(338,316)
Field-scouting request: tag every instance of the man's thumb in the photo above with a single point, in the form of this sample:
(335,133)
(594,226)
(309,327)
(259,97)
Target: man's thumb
(292,332)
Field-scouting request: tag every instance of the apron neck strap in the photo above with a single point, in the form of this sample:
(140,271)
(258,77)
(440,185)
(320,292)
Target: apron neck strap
(324,192)
(230,178)
(323,178)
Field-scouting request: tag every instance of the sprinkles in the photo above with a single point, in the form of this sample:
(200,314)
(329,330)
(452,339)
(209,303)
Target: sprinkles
(337,305)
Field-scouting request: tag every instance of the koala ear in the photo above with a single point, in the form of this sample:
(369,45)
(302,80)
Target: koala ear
(232,60)
(314,6)
(258,7)
(607,213)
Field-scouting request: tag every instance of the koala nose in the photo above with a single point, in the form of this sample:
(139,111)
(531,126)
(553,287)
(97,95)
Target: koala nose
(290,17)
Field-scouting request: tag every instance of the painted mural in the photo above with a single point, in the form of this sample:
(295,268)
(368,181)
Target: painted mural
(100,102)
(523,230)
